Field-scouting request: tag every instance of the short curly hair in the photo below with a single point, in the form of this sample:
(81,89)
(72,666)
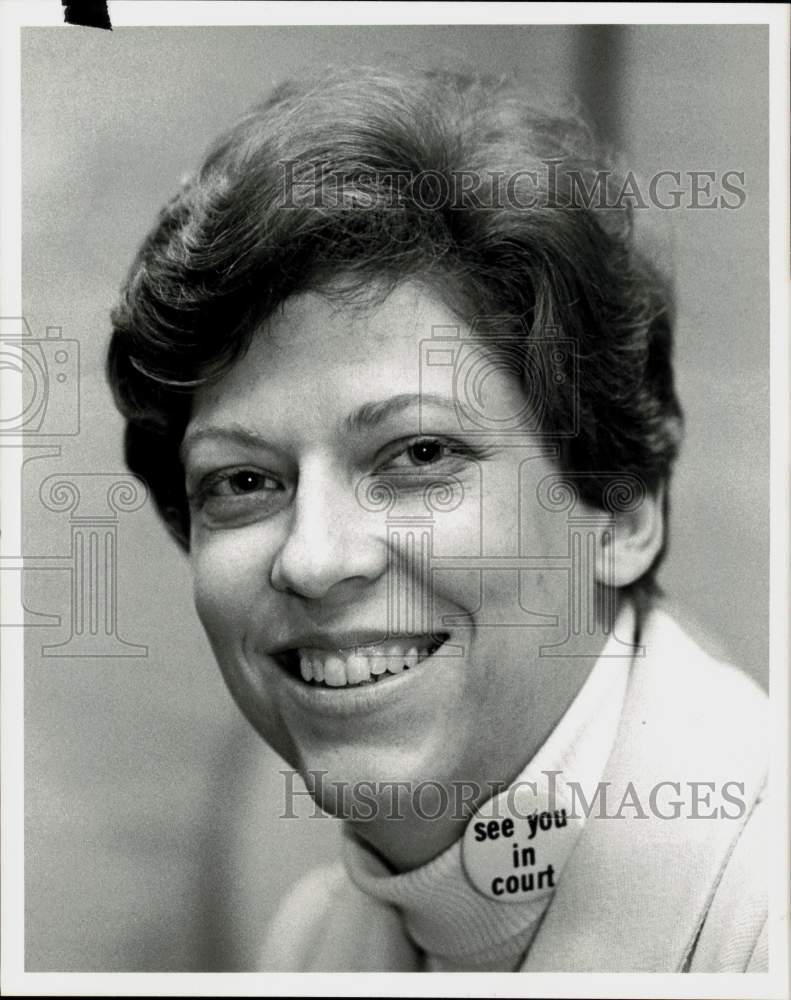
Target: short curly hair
(463,182)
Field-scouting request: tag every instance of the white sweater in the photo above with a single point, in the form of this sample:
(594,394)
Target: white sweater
(636,894)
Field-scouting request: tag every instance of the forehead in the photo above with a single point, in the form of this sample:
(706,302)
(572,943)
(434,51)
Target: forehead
(322,359)
(316,345)
(370,327)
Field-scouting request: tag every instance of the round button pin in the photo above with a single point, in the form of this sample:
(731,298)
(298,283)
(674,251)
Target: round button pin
(516,845)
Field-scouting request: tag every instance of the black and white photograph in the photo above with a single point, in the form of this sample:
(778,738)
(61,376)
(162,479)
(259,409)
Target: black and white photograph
(395,499)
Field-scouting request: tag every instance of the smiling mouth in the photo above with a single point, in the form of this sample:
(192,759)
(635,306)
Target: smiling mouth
(361,665)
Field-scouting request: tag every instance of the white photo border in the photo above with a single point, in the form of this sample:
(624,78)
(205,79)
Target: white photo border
(14,980)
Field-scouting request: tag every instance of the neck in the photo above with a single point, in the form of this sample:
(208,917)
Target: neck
(412,830)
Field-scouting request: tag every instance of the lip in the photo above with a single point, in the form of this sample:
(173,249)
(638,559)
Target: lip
(330,640)
(358,699)
(350,642)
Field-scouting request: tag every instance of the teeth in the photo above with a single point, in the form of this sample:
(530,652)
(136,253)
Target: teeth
(378,665)
(363,665)
(334,671)
(357,669)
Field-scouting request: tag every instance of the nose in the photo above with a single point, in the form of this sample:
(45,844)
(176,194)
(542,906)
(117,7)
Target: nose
(331,550)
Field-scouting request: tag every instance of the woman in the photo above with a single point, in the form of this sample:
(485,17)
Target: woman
(401,385)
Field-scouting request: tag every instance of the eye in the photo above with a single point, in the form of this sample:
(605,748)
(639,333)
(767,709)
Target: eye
(428,452)
(244,481)
(237,495)
(420,453)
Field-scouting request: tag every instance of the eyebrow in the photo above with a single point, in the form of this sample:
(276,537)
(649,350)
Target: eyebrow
(227,432)
(370,415)
(365,417)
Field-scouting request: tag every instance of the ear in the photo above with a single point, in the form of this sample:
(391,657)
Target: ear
(631,544)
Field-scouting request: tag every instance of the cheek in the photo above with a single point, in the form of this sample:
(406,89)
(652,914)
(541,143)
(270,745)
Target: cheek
(227,575)
(454,515)
(230,586)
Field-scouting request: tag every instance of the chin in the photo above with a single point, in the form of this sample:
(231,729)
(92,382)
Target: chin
(342,774)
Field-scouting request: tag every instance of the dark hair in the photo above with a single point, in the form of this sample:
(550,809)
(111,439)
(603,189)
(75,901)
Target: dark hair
(503,204)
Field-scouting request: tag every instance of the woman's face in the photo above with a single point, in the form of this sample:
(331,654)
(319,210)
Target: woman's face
(315,553)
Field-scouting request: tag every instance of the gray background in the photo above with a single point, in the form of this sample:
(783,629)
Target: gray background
(152,832)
